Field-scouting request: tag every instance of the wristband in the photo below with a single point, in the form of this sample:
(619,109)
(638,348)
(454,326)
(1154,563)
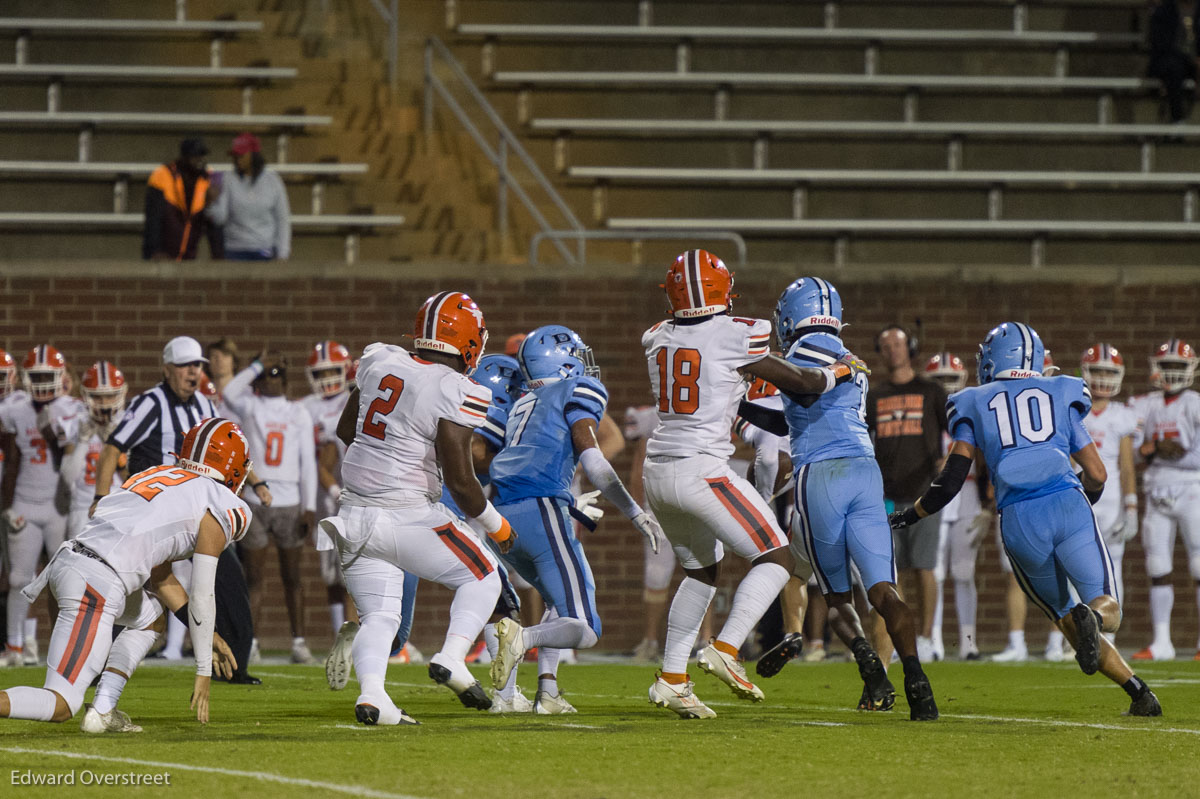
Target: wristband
(490,521)
(98,497)
(259,484)
(1131,500)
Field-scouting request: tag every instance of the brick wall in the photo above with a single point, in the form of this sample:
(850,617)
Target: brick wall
(126,313)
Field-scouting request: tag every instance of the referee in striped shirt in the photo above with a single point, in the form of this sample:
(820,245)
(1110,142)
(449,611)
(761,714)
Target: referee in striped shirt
(151,432)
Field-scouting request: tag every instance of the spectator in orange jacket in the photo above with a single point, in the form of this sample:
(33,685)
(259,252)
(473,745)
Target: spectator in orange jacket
(176,196)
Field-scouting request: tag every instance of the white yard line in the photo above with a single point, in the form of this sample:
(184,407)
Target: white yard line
(353,790)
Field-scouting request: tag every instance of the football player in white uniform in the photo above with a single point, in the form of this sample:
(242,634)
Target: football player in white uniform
(1112,427)
(104,392)
(280,433)
(408,427)
(1172,486)
(327,368)
(166,513)
(39,422)
(965,522)
(696,361)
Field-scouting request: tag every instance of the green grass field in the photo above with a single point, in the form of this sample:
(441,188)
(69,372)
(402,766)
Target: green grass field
(1006,730)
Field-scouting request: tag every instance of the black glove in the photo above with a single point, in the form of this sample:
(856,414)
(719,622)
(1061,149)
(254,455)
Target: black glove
(903,518)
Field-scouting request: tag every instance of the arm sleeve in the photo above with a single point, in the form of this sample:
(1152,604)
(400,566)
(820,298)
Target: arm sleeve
(602,475)
(947,484)
(202,611)
(588,400)
(769,419)
(283,221)
(237,394)
(308,461)
(136,424)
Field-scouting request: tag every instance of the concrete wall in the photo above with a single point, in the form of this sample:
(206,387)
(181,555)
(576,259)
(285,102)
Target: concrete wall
(125,312)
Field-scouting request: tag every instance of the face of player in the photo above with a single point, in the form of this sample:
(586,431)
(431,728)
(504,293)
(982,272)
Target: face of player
(220,364)
(893,345)
(273,385)
(183,379)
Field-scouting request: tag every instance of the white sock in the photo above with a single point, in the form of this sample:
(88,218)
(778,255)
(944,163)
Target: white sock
(337,615)
(298,641)
(548,685)
(939,610)
(755,593)
(31,628)
(683,623)
(472,606)
(967,642)
(510,688)
(548,658)
(490,640)
(560,633)
(1162,599)
(18,610)
(33,704)
(1055,639)
(1016,638)
(176,630)
(966,600)
(370,651)
(108,692)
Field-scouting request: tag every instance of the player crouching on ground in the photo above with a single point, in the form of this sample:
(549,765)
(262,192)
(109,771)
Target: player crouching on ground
(163,514)
(1029,428)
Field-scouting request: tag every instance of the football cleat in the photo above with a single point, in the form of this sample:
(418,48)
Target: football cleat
(95,722)
(518,704)
(255,654)
(1145,705)
(878,691)
(546,705)
(341,657)
(646,651)
(1087,630)
(815,653)
(728,670)
(479,653)
(11,656)
(919,694)
(381,713)
(29,656)
(775,658)
(1155,652)
(301,654)
(509,653)
(680,699)
(456,677)
(1012,654)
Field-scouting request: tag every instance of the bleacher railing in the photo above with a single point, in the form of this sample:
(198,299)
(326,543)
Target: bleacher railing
(447,81)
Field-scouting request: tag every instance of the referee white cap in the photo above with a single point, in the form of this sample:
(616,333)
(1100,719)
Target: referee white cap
(183,349)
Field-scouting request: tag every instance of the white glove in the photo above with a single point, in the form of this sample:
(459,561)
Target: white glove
(647,526)
(1130,531)
(15,523)
(586,504)
(980,526)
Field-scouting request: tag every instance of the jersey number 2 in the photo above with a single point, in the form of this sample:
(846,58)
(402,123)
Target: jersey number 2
(1029,401)
(389,387)
(681,393)
(149,484)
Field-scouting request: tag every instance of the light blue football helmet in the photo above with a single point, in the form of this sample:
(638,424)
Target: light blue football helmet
(502,374)
(552,353)
(1011,350)
(808,305)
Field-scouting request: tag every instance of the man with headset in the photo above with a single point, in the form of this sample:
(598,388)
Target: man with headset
(906,415)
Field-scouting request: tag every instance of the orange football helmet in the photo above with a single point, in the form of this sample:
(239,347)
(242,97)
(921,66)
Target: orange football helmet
(44,369)
(1102,368)
(451,322)
(1175,364)
(698,284)
(1049,369)
(949,370)
(208,388)
(216,448)
(104,392)
(8,374)
(327,366)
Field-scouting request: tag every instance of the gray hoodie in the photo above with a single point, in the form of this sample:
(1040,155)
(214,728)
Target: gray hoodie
(255,215)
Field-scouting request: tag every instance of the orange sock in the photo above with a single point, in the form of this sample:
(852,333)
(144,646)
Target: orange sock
(721,646)
(674,678)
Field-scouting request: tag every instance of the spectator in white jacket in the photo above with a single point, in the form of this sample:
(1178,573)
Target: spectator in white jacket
(251,206)
(283,450)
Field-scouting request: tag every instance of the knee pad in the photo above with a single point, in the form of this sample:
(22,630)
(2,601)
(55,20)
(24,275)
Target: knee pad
(379,618)
(963,571)
(1158,564)
(590,637)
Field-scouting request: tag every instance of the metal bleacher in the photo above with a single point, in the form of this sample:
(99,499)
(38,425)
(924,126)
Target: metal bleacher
(853,130)
(83,124)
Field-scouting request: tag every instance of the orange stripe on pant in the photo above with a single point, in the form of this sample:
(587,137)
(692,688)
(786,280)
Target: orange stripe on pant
(745,513)
(83,633)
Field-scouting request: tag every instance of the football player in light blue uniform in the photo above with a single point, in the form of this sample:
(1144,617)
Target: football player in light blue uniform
(1030,428)
(550,430)
(839,511)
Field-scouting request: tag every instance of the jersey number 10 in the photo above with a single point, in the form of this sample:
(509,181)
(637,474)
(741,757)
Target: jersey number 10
(678,390)
(1035,416)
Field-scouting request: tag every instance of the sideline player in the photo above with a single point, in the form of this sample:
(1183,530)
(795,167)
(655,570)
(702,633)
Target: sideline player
(550,430)
(1030,428)
(1172,484)
(696,360)
(408,427)
(165,513)
(38,422)
(280,433)
(104,392)
(1112,427)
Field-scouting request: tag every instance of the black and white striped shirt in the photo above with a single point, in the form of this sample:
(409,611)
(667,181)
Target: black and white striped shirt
(154,426)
